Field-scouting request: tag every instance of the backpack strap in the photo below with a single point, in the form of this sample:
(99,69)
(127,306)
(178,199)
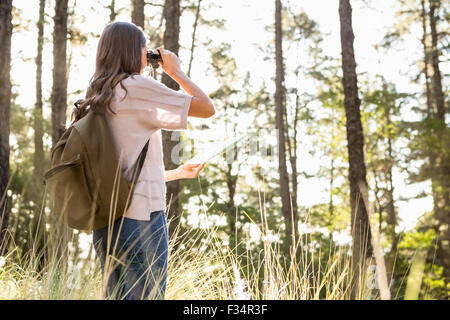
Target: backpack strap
(139,163)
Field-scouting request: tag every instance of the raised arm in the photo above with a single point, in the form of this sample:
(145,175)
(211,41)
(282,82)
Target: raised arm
(201,105)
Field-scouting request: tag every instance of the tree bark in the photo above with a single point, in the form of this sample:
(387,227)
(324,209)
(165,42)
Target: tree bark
(59,90)
(362,249)
(171,42)
(58,106)
(436,78)
(137,15)
(286,207)
(38,223)
(426,59)
(5,112)
(39,158)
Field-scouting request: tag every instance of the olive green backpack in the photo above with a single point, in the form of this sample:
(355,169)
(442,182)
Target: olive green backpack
(86,186)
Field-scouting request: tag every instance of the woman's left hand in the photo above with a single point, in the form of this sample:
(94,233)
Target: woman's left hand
(189,170)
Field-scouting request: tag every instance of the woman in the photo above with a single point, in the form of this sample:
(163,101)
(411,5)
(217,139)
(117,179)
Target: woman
(133,254)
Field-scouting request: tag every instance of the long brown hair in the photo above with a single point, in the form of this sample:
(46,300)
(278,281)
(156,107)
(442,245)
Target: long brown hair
(118,57)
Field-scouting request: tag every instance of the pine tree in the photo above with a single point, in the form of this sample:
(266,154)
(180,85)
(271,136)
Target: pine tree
(171,42)
(280,104)
(5,110)
(361,234)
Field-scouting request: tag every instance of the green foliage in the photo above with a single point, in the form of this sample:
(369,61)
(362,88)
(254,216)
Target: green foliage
(222,192)
(416,240)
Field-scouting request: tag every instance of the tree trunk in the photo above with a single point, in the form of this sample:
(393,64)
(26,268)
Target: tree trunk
(391,212)
(426,59)
(171,38)
(441,160)
(436,78)
(279,118)
(39,158)
(59,90)
(137,15)
(197,14)
(112,11)
(191,59)
(331,203)
(292,151)
(155,37)
(5,111)
(38,223)
(362,249)
(59,105)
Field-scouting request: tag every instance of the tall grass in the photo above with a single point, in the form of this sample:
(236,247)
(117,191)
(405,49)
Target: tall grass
(200,267)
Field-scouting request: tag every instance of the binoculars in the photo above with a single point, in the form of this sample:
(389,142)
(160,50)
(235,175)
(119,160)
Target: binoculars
(153,58)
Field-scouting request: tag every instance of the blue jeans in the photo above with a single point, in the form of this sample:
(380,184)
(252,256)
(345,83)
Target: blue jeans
(135,259)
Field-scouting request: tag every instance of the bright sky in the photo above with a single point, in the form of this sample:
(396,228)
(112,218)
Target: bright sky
(245,22)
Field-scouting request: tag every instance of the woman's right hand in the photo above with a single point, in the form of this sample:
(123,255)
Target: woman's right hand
(170,63)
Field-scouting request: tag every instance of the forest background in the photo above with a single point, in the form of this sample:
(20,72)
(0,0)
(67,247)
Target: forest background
(352,200)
